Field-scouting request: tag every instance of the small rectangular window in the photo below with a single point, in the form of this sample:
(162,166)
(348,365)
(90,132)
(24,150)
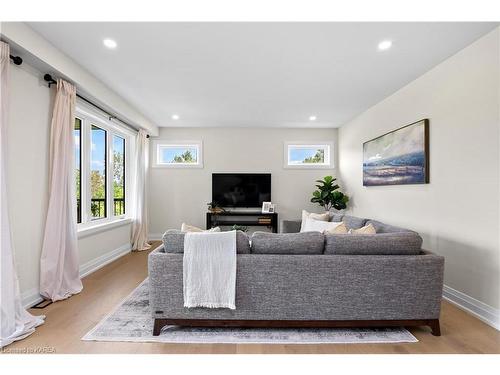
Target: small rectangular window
(77,133)
(118,176)
(178,154)
(98,173)
(308,155)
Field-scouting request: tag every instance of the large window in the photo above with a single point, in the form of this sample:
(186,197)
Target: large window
(118,175)
(77,133)
(101,168)
(98,173)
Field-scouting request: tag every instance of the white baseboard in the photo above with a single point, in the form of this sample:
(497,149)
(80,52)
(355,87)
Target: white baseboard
(32,297)
(480,310)
(95,264)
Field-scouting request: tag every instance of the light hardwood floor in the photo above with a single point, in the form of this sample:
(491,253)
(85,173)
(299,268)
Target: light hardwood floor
(67,321)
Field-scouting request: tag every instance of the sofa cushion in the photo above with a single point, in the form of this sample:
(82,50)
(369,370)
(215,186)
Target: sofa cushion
(242,242)
(173,242)
(367,229)
(312,225)
(402,243)
(335,216)
(339,229)
(191,228)
(353,222)
(288,243)
(311,215)
(386,228)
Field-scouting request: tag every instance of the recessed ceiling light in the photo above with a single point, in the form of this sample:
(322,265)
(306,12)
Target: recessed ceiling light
(385,45)
(109,43)
(175,117)
(312,118)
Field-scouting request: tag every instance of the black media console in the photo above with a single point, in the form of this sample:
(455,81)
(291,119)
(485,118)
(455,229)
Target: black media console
(244,218)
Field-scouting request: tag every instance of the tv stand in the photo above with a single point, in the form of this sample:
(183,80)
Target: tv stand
(244,218)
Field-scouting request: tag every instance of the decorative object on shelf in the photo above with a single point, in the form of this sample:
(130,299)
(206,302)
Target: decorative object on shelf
(239,227)
(399,157)
(267,208)
(327,195)
(214,208)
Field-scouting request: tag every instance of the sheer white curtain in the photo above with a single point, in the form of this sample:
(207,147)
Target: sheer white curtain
(15,322)
(59,265)
(140,210)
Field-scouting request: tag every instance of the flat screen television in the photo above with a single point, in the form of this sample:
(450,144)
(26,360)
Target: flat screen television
(241,189)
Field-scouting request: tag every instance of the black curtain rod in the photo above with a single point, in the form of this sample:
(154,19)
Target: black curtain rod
(16,59)
(51,81)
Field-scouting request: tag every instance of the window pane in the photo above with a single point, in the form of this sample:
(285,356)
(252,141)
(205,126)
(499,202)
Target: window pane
(118,175)
(98,173)
(178,155)
(77,132)
(306,155)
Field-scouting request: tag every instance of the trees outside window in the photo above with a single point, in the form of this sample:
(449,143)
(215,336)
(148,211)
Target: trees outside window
(101,168)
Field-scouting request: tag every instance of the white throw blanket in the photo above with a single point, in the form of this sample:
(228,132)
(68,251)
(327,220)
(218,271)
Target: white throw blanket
(209,270)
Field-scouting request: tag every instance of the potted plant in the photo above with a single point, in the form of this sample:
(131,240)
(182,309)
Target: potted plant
(328,196)
(240,227)
(214,208)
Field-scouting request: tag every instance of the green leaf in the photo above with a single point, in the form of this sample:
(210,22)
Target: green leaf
(328,196)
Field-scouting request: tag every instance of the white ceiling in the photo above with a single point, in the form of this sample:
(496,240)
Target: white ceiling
(258,74)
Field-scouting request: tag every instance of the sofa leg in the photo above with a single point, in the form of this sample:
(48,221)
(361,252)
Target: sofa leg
(435,328)
(158,325)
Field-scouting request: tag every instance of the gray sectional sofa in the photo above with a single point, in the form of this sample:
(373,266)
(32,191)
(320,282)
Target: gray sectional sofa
(311,280)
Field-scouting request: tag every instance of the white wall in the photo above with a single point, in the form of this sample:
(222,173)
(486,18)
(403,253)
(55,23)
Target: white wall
(458,212)
(30,111)
(178,195)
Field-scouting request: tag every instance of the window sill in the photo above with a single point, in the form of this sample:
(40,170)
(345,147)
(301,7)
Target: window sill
(180,165)
(102,227)
(308,166)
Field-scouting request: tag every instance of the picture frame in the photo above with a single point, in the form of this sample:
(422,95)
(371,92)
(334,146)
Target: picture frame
(267,208)
(398,157)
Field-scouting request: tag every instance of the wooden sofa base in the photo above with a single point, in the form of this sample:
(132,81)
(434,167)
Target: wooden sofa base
(432,323)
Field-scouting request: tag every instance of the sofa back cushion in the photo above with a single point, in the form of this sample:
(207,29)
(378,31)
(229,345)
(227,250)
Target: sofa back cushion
(288,243)
(173,242)
(402,243)
(386,228)
(334,216)
(353,222)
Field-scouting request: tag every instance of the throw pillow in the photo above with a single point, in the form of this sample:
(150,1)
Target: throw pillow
(339,229)
(190,228)
(320,217)
(367,229)
(312,225)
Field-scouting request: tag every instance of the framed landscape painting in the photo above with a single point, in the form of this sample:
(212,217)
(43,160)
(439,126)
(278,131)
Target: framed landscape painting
(399,157)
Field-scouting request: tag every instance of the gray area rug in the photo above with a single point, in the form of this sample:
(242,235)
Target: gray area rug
(131,321)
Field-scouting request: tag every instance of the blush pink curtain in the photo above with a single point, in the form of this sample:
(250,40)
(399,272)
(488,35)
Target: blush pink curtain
(59,265)
(140,210)
(15,322)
